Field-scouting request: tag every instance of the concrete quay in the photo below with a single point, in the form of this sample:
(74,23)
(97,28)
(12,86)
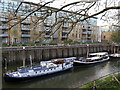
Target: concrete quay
(38,53)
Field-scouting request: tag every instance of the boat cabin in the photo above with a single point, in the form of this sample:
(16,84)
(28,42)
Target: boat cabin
(58,61)
(100,54)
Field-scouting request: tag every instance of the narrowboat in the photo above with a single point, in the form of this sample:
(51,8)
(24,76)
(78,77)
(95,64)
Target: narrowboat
(45,68)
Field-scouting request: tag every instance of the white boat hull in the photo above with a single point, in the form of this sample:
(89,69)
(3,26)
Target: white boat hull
(32,73)
(114,55)
(91,62)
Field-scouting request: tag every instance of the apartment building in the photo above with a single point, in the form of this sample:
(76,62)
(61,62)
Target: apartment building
(44,25)
(119,15)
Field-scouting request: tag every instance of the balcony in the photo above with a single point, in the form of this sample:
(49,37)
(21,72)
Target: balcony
(3,28)
(47,25)
(3,19)
(15,21)
(47,36)
(64,37)
(84,33)
(4,35)
(89,38)
(89,29)
(84,38)
(89,33)
(23,28)
(25,35)
(83,28)
(65,27)
(25,22)
(48,31)
(65,31)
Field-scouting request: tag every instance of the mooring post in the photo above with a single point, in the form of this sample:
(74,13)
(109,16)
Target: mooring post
(87,50)
(24,57)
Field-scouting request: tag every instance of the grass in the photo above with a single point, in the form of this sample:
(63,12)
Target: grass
(108,82)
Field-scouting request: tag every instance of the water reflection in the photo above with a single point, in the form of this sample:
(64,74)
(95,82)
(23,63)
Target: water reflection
(70,79)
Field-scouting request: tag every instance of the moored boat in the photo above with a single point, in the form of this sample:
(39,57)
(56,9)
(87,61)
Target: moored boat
(93,58)
(115,55)
(45,68)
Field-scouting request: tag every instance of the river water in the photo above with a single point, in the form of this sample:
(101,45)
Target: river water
(69,79)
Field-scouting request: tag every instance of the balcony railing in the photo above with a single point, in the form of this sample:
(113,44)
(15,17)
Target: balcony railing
(64,36)
(48,31)
(84,28)
(4,35)
(3,28)
(89,33)
(25,22)
(25,35)
(84,38)
(84,32)
(47,25)
(65,27)
(89,38)
(25,28)
(65,31)
(47,36)
(3,20)
(89,29)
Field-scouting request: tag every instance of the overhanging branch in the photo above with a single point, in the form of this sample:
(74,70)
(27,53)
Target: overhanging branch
(106,9)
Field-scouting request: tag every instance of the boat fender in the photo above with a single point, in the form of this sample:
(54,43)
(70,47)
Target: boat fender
(7,73)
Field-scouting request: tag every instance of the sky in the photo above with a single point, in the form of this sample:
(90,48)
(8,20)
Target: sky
(60,3)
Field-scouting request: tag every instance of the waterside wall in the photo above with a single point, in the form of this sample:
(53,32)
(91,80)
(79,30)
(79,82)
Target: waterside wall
(40,53)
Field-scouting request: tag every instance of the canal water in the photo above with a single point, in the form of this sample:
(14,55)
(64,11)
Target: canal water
(73,78)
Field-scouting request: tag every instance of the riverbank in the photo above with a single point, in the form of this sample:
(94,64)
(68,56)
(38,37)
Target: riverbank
(111,81)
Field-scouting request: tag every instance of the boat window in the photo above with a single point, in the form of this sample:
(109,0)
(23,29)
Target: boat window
(23,71)
(92,55)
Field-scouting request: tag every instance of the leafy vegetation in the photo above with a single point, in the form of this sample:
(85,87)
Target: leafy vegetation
(27,44)
(42,44)
(108,82)
(116,36)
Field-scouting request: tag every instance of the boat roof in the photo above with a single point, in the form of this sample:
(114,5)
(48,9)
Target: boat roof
(99,53)
(70,58)
(59,59)
(31,68)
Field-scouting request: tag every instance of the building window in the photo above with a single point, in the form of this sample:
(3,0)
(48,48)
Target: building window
(104,37)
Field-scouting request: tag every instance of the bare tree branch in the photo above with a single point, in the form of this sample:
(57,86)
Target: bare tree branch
(31,13)
(18,7)
(108,8)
